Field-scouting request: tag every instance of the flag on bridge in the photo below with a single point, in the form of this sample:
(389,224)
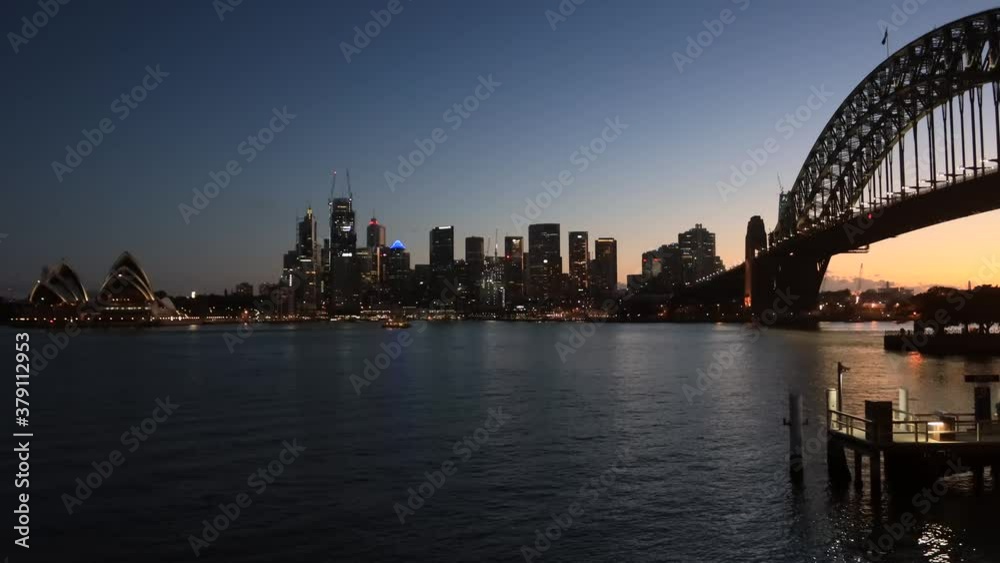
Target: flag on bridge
(885,38)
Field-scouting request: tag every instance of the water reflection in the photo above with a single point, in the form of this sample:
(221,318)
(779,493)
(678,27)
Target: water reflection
(709,482)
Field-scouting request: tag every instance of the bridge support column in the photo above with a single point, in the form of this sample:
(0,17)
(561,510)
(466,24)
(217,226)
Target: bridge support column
(756,242)
(799,279)
(787,285)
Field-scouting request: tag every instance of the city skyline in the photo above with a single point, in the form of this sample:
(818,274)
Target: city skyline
(647,186)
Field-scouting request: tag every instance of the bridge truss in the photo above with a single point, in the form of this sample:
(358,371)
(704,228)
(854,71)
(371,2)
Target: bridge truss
(863,160)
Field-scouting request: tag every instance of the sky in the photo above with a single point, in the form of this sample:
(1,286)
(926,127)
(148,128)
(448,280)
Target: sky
(210,78)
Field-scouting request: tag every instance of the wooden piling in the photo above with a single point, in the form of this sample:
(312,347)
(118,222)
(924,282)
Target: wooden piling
(875,476)
(795,434)
(879,434)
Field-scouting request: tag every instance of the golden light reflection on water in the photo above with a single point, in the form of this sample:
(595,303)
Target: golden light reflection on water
(935,542)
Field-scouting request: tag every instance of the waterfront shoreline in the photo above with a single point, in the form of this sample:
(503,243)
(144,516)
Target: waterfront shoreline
(799,323)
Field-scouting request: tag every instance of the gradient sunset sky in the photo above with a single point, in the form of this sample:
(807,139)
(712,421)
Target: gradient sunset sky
(557,87)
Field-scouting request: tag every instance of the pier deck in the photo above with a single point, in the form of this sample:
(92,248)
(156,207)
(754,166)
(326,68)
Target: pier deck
(914,445)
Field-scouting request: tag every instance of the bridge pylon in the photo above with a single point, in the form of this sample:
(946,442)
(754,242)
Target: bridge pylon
(784,284)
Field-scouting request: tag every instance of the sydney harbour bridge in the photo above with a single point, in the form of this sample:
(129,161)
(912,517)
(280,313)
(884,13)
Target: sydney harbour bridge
(907,149)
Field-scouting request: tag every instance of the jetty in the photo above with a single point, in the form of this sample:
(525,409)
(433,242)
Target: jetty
(914,448)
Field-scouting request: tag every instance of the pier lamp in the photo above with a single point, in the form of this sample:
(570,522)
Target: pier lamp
(841,370)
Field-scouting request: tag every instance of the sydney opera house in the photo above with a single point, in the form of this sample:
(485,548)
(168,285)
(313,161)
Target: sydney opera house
(126,296)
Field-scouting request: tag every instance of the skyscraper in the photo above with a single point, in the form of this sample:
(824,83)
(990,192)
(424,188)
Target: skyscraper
(545,261)
(323,271)
(663,262)
(307,264)
(344,277)
(697,248)
(395,263)
(442,264)
(289,268)
(605,279)
(376,234)
(513,271)
(305,242)
(475,263)
(442,248)
(343,237)
(291,280)
(579,260)
(492,292)
(475,252)
(366,260)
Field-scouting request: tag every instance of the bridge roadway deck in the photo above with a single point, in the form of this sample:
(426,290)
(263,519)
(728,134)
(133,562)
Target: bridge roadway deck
(899,215)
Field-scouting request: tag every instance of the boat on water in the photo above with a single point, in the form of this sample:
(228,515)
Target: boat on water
(396,323)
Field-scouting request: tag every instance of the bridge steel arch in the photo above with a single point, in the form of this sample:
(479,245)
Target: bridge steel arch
(857,168)
(931,72)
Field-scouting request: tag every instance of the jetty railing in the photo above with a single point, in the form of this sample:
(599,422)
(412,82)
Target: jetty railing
(939,427)
(917,428)
(849,424)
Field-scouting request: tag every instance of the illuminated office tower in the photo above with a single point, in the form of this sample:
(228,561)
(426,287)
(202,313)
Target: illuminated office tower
(579,261)
(544,260)
(605,279)
(513,268)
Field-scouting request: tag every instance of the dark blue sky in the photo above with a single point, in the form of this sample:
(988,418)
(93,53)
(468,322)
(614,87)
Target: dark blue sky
(608,59)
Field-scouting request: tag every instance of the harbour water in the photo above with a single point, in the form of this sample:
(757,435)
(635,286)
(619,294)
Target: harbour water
(665,442)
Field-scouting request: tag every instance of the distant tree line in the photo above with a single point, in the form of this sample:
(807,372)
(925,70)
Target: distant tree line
(947,306)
